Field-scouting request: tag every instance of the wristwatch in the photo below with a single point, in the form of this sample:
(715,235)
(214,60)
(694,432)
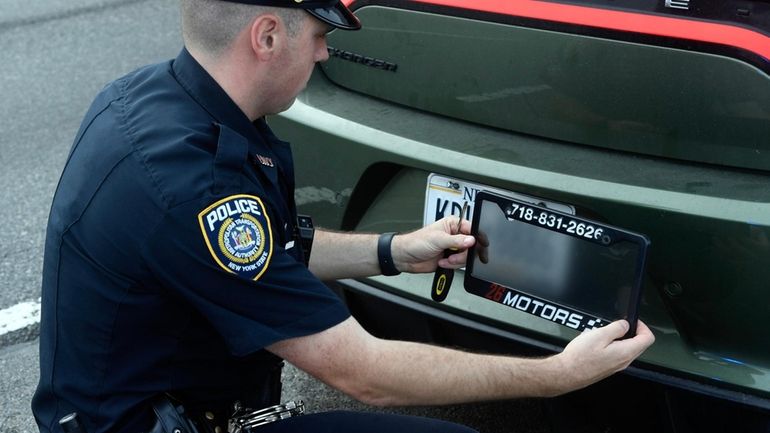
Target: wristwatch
(385,256)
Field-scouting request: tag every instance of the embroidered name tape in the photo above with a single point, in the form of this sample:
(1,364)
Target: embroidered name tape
(237,233)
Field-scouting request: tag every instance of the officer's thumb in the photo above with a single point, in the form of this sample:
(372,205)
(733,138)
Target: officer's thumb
(462,242)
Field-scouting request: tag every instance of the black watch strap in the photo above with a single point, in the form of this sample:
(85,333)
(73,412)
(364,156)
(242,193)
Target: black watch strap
(387,267)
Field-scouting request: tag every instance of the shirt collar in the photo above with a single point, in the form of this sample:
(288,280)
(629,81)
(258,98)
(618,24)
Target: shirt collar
(209,94)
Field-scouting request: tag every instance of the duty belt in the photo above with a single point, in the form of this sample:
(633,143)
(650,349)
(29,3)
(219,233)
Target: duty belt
(244,419)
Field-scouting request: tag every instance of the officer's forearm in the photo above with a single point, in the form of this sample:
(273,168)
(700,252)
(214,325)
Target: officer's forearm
(387,373)
(410,374)
(338,255)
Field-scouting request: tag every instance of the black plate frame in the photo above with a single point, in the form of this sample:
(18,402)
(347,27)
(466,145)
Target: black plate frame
(610,235)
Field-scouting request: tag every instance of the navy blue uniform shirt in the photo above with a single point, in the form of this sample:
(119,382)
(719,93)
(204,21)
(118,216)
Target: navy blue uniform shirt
(169,257)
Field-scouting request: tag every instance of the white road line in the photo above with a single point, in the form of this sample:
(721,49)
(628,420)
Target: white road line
(19,316)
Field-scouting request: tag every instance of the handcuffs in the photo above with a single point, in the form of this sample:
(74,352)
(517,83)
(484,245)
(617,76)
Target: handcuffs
(244,419)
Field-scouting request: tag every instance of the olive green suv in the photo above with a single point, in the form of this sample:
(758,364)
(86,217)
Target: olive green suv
(652,116)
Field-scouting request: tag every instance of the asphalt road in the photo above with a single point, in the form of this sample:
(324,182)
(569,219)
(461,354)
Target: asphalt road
(55,55)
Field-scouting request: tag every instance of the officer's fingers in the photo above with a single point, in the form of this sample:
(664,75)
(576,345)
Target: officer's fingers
(639,343)
(482,239)
(598,353)
(482,250)
(454,261)
(607,334)
(643,329)
(618,354)
(448,224)
(444,241)
(465,227)
(444,225)
(462,242)
(483,254)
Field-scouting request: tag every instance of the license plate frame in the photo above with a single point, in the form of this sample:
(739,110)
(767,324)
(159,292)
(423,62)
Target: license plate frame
(527,235)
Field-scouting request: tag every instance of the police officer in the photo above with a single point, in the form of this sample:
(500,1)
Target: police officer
(173,270)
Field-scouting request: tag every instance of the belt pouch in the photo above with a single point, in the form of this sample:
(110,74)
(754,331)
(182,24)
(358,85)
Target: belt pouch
(170,418)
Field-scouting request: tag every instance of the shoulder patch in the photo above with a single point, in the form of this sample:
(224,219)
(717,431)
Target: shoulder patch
(238,235)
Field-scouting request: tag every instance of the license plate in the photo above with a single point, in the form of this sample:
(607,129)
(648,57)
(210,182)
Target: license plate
(445,196)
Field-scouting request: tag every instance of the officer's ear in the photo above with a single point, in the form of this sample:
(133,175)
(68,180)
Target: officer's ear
(265,36)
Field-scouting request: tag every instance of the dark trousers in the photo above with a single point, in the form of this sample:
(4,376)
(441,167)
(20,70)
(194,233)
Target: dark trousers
(362,422)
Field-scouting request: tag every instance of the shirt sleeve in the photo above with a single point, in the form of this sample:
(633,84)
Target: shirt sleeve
(221,257)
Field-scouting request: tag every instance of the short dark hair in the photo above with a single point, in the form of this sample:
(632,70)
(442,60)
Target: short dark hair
(212,25)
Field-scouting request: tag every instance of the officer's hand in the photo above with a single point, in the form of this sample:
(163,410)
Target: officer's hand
(422,250)
(596,354)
